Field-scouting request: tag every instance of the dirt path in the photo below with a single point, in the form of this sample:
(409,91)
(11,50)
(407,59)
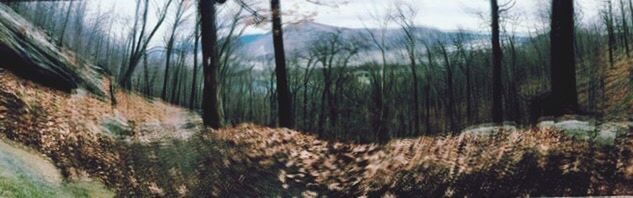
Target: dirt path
(179,124)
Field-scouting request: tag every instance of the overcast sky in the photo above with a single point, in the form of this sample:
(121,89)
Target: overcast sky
(446,15)
(442,14)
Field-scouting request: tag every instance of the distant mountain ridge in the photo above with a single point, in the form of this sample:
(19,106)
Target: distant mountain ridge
(298,36)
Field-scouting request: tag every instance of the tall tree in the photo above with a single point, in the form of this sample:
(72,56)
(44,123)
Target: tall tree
(625,29)
(65,23)
(497,56)
(284,99)
(406,19)
(427,87)
(451,119)
(608,20)
(140,39)
(180,10)
(563,65)
(194,81)
(212,113)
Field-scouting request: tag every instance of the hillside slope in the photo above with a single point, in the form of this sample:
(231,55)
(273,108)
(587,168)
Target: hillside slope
(249,160)
(147,148)
(29,52)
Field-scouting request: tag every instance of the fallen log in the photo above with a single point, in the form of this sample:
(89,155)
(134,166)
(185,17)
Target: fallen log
(28,52)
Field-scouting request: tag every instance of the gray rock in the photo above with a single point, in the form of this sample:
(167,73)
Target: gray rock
(490,128)
(604,134)
(117,125)
(609,132)
(578,129)
(27,51)
(546,124)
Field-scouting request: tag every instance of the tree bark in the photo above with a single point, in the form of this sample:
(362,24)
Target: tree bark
(610,32)
(195,66)
(211,103)
(497,56)
(414,77)
(284,98)
(625,28)
(170,46)
(450,106)
(563,65)
(427,89)
(61,35)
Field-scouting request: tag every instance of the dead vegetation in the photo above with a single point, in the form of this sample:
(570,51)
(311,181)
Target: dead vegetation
(66,128)
(250,160)
(619,103)
(533,162)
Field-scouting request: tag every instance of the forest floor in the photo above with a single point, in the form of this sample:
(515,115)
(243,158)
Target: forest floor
(143,147)
(160,150)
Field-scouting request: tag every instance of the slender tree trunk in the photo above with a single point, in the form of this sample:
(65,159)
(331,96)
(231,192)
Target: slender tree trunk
(195,67)
(512,97)
(175,79)
(140,42)
(469,98)
(284,99)
(306,80)
(146,76)
(611,33)
(450,106)
(563,74)
(65,24)
(414,76)
(625,28)
(497,56)
(211,104)
(630,9)
(170,46)
(427,89)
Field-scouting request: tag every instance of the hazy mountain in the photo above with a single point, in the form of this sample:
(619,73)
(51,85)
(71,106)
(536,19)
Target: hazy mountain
(298,36)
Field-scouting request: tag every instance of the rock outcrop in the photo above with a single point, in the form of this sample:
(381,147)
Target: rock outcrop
(28,51)
(602,134)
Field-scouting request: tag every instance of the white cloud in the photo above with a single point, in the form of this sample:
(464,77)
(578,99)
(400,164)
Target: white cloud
(442,14)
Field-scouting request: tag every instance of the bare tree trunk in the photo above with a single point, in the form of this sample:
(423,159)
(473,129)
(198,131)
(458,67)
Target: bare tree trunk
(564,95)
(211,103)
(625,28)
(611,32)
(469,98)
(427,89)
(195,66)
(450,106)
(169,48)
(284,99)
(306,80)
(140,42)
(497,56)
(175,79)
(630,9)
(146,76)
(65,24)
